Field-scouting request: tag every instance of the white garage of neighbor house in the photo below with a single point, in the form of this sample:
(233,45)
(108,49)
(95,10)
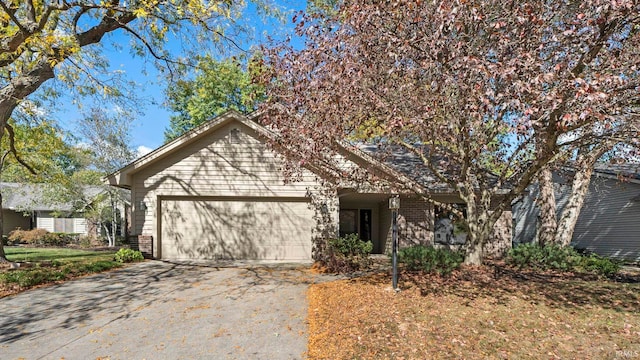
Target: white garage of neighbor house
(218,192)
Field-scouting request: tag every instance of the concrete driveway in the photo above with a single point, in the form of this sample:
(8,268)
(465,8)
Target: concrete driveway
(157,310)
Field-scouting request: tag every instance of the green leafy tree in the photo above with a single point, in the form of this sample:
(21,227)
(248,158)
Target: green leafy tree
(43,40)
(40,152)
(34,152)
(218,86)
(323,8)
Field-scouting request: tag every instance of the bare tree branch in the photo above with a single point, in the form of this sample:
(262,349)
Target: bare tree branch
(12,147)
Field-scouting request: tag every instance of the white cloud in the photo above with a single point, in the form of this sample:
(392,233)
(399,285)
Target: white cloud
(143,150)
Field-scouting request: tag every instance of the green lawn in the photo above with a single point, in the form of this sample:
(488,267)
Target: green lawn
(22,254)
(51,265)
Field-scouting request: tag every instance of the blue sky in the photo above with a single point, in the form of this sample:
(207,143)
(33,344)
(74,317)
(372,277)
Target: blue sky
(147,129)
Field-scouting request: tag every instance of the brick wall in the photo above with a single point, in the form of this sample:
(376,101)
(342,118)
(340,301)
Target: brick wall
(415,223)
(415,226)
(142,243)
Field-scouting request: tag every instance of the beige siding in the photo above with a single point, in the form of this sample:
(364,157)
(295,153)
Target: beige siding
(233,161)
(255,229)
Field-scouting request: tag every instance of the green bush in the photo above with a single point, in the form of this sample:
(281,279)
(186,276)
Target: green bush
(600,265)
(347,254)
(128,255)
(414,257)
(57,271)
(429,259)
(557,257)
(97,266)
(544,257)
(53,239)
(32,277)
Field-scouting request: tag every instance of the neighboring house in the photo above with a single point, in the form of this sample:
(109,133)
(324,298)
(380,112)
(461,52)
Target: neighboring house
(218,192)
(609,223)
(28,206)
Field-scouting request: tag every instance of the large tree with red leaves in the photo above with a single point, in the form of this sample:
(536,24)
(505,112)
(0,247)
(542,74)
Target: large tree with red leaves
(466,86)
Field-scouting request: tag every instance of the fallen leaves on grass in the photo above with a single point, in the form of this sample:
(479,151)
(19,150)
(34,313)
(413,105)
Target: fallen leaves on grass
(476,313)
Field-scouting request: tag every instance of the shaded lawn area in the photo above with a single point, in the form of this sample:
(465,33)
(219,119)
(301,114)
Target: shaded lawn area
(475,314)
(50,265)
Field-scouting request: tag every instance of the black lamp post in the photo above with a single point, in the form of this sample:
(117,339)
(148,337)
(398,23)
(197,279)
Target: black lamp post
(394,205)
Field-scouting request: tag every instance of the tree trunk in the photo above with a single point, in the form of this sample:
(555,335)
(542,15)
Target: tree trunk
(3,256)
(478,236)
(107,232)
(477,221)
(571,211)
(21,87)
(579,187)
(547,206)
(475,252)
(113,222)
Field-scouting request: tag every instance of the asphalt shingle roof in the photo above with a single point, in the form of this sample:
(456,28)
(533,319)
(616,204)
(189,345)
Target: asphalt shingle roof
(17,196)
(407,163)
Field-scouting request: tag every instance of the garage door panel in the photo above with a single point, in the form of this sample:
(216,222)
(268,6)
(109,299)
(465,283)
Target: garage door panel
(254,229)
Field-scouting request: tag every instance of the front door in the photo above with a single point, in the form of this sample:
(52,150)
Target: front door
(365,224)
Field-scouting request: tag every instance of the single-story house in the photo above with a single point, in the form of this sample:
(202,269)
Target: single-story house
(31,206)
(219,192)
(609,223)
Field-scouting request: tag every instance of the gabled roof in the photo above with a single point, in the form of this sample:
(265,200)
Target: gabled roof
(401,165)
(35,197)
(122,177)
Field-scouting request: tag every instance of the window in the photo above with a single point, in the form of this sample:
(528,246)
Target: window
(356,221)
(63,225)
(348,222)
(449,227)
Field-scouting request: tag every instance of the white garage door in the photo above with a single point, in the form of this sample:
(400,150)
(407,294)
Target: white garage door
(251,229)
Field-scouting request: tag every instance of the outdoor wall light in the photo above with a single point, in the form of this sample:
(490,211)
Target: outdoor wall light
(143,206)
(324,209)
(394,202)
